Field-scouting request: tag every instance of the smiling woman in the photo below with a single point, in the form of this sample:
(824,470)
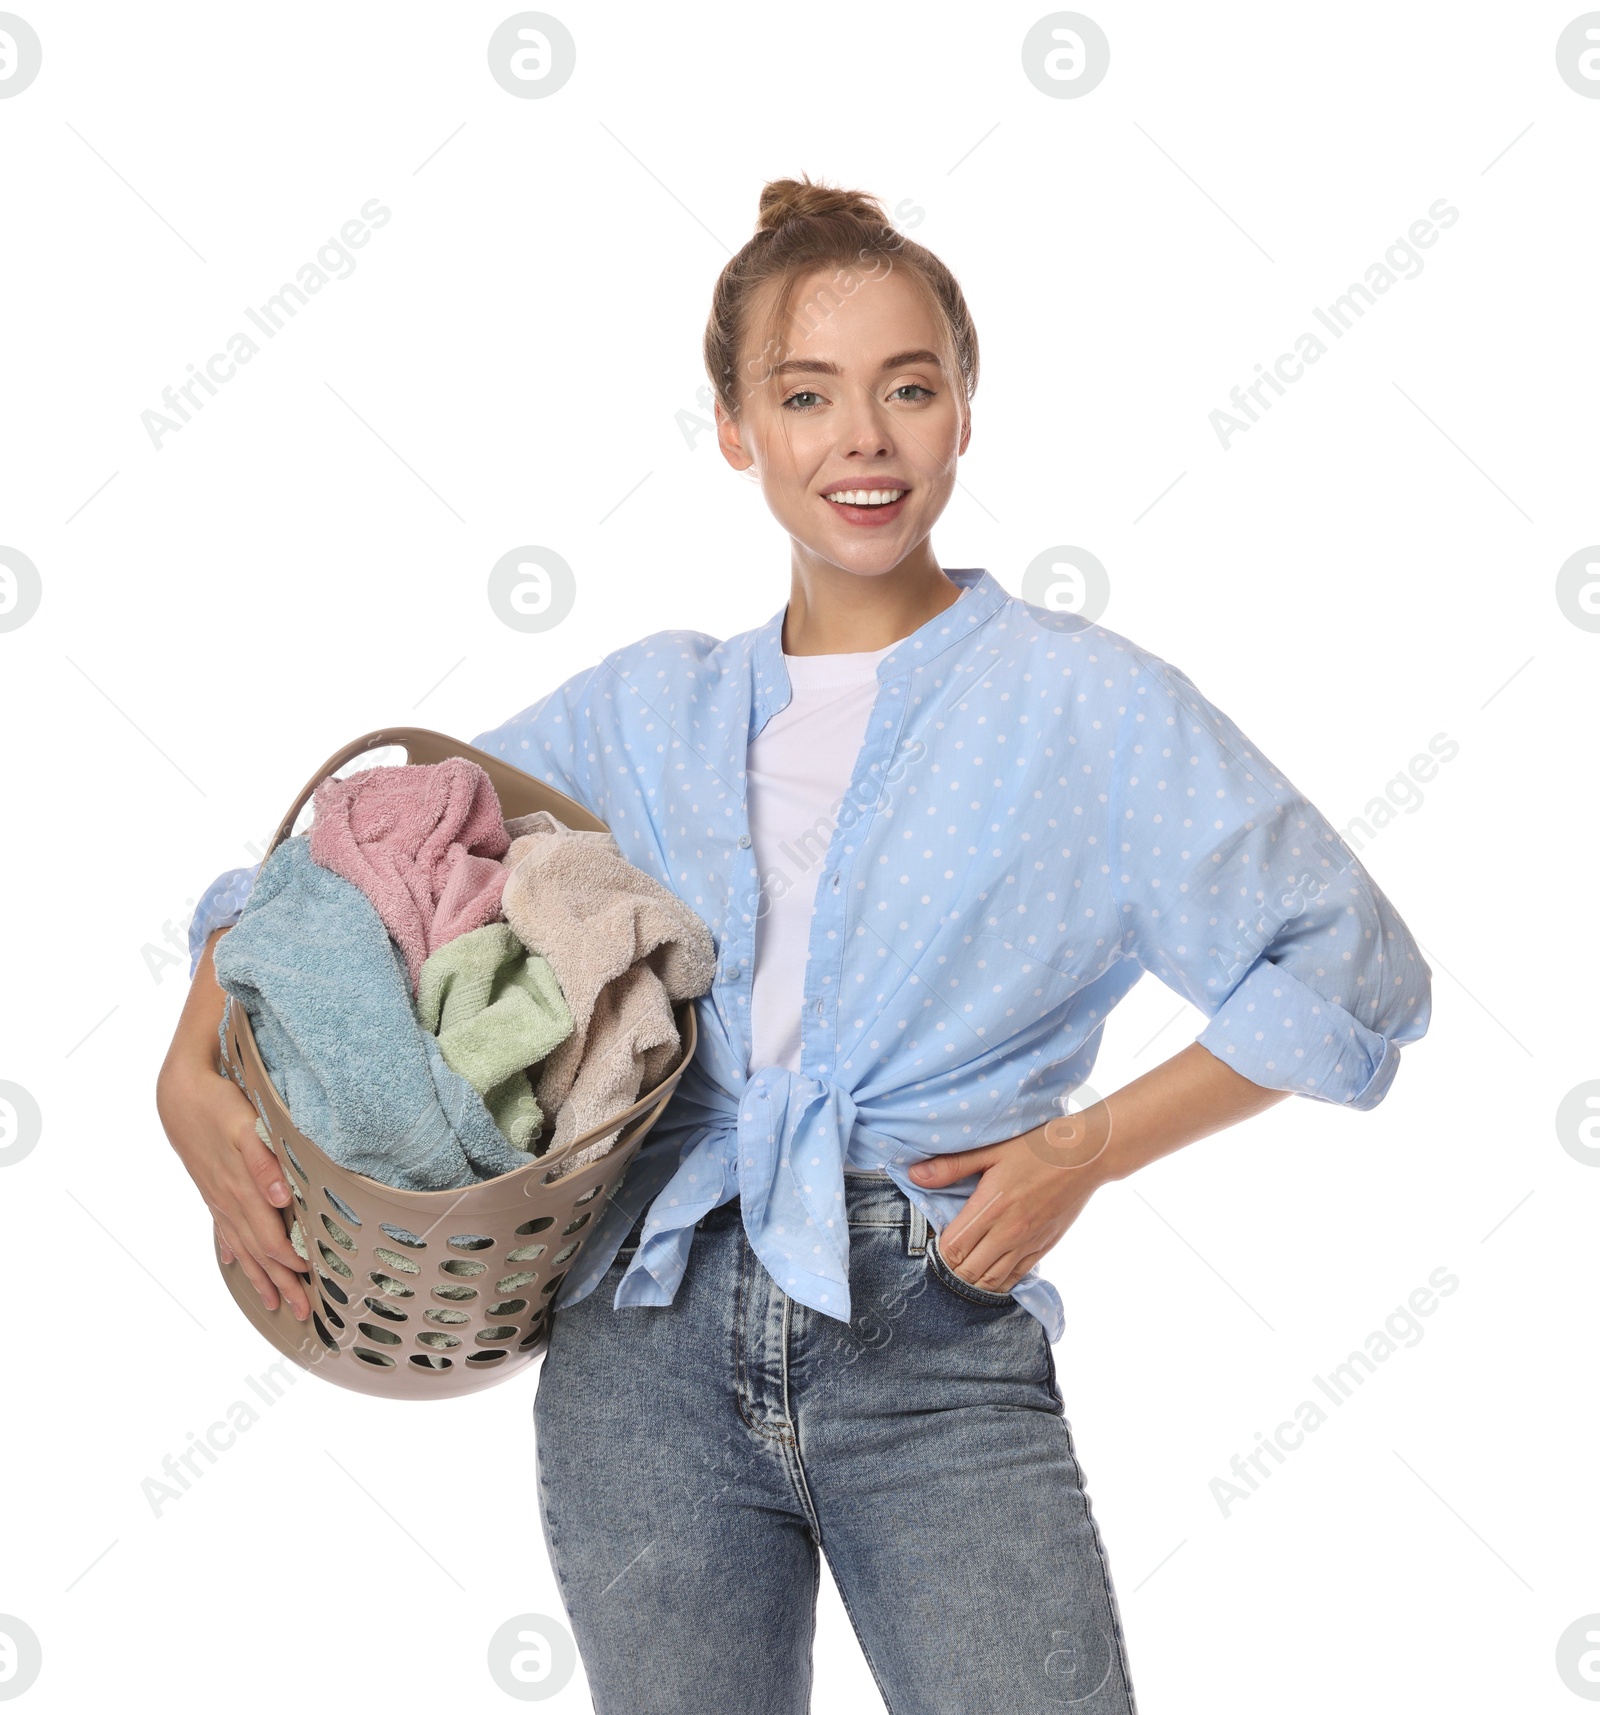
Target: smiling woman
(939,833)
(828,324)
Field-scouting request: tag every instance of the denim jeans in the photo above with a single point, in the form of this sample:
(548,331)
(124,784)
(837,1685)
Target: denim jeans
(694,1458)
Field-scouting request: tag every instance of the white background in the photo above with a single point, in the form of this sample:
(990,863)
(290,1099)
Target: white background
(1374,563)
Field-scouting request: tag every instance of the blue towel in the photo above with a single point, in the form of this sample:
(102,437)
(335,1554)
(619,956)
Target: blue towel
(329,1001)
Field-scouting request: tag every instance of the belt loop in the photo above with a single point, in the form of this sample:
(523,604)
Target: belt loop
(916,1232)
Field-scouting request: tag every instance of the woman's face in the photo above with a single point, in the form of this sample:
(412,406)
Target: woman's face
(852,397)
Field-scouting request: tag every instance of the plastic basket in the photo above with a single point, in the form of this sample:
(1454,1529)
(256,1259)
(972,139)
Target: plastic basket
(433,1294)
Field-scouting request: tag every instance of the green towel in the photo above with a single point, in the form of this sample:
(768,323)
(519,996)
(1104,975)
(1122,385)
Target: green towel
(497,1011)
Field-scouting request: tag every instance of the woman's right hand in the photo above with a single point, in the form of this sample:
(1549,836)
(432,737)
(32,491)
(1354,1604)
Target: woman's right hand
(211,1124)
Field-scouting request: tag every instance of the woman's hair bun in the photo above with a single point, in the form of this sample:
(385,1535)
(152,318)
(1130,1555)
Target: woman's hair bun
(798,199)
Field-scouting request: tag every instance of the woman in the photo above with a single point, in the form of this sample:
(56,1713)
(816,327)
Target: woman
(938,833)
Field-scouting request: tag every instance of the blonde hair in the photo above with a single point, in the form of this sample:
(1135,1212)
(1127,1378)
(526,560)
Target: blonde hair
(802,229)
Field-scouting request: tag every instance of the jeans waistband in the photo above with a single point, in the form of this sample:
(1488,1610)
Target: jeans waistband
(870,1198)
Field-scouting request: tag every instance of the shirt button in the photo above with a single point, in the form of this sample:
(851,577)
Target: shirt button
(744,842)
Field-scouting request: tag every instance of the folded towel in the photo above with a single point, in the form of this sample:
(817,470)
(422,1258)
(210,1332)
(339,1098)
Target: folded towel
(331,1010)
(497,1012)
(623,948)
(422,842)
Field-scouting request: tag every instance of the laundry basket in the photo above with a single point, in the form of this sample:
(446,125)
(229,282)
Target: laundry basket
(432,1294)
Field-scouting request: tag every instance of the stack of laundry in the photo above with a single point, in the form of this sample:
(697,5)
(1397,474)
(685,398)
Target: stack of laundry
(440,995)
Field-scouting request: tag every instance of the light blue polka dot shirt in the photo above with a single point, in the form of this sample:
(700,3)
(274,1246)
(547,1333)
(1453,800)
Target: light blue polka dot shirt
(1040,812)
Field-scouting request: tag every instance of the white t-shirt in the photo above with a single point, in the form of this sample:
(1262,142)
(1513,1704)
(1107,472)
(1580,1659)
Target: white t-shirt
(799,768)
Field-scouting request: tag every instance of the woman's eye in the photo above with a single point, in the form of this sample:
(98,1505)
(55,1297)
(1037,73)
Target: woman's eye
(913,387)
(804,393)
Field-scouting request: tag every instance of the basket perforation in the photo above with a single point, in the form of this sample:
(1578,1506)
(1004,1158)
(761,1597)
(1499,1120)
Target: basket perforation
(385,1261)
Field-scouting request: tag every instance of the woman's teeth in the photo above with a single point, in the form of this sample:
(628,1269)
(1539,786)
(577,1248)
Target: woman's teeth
(866,496)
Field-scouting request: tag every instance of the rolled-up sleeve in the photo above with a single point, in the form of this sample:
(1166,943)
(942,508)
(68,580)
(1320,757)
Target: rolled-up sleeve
(1238,894)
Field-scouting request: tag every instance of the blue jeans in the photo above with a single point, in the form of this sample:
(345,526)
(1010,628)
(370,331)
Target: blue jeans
(694,1458)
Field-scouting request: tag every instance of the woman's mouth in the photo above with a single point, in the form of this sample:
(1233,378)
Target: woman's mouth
(867,506)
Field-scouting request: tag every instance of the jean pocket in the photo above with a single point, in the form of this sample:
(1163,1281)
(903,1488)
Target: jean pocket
(947,1276)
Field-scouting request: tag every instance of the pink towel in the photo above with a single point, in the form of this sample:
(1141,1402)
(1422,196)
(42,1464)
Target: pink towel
(422,841)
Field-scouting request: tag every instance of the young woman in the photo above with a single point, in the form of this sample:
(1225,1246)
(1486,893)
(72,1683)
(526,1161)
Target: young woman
(938,834)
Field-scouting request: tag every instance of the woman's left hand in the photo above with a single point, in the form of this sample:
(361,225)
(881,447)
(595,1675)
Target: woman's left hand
(1031,1189)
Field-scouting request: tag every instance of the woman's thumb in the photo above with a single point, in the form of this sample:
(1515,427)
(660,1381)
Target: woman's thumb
(939,1170)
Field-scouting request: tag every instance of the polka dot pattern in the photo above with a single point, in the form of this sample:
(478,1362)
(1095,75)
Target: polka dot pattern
(1040,812)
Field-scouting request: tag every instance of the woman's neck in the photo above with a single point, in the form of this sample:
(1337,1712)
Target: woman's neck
(835,612)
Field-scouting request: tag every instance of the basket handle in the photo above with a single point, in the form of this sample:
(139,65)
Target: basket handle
(422,744)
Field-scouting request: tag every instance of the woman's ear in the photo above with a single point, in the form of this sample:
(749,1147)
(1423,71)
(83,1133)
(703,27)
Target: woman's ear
(730,438)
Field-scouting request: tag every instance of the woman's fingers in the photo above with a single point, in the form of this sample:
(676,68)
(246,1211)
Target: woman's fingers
(273,1251)
(254,1272)
(271,1263)
(988,1254)
(260,1160)
(265,1195)
(212,1126)
(1017,1212)
(293,1290)
(957,1164)
(1005,1256)
(276,1283)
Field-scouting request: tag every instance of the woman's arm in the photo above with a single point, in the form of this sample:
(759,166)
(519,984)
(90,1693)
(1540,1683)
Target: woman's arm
(211,1124)
(1236,891)
(1033,1187)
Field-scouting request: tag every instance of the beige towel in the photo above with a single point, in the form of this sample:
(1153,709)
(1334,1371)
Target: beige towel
(624,949)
